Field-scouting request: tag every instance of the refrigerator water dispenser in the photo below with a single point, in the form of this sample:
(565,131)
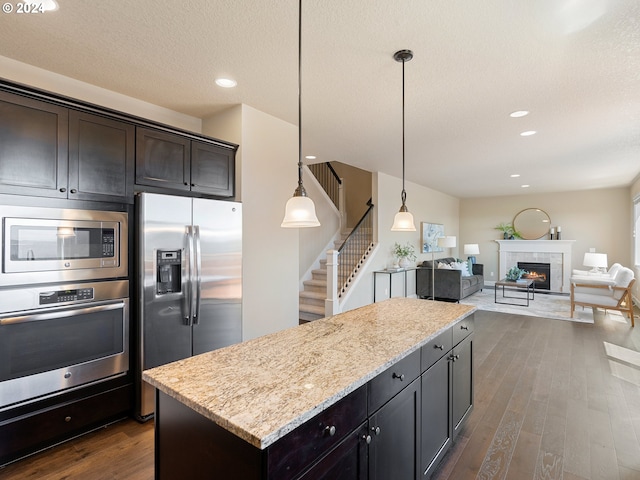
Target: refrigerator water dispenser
(169,268)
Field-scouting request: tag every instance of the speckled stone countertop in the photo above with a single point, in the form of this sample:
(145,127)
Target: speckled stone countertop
(263,388)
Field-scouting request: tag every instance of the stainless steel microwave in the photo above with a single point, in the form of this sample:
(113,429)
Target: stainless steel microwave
(51,245)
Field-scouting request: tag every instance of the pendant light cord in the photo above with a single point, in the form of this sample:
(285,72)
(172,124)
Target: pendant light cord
(403,195)
(300,190)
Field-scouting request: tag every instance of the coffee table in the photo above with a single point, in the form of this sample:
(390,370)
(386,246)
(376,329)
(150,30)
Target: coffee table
(515,285)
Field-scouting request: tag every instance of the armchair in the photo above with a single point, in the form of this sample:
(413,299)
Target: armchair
(604,291)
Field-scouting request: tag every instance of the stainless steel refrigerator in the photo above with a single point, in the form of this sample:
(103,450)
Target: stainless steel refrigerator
(189,281)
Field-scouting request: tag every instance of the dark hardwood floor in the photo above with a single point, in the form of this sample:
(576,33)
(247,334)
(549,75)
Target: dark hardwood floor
(553,400)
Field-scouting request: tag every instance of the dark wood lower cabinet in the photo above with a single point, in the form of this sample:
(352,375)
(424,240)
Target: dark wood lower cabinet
(394,450)
(397,426)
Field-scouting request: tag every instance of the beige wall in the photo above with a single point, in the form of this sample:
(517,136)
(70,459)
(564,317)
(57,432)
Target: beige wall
(357,190)
(593,218)
(634,193)
(426,205)
(267,168)
(52,82)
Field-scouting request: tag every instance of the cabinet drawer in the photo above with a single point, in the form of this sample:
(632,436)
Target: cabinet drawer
(307,443)
(436,348)
(463,329)
(386,385)
(42,429)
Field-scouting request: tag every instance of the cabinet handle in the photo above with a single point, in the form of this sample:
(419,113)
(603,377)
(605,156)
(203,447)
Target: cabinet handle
(367,438)
(67,419)
(441,347)
(456,357)
(464,327)
(63,189)
(331,430)
(376,430)
(193,184)
(400,376)
(186,183)
(73,190)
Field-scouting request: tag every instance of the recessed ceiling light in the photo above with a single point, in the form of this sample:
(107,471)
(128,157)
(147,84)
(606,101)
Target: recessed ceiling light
(525,186)
(310,157)
(528,133)
(226,82)
(519,113)
(514,175)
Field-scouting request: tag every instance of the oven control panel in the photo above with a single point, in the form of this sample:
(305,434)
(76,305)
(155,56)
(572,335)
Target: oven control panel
(61,296)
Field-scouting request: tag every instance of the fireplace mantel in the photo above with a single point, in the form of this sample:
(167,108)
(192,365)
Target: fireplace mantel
(555,252)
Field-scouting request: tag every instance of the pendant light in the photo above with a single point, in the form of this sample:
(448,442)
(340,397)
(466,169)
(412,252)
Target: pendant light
(403,221)
(300,211)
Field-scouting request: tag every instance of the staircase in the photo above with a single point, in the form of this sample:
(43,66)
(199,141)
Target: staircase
(312,297)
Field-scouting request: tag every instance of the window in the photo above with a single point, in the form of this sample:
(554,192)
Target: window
(636,229)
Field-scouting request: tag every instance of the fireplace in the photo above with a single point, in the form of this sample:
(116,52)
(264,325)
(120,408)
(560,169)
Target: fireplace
(539,272)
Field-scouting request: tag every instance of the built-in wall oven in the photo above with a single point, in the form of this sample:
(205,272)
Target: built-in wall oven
(53,245)
(57,337)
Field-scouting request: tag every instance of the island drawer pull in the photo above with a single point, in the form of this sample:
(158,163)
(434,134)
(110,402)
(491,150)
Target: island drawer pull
(400,376)
(441,347)
(330,429)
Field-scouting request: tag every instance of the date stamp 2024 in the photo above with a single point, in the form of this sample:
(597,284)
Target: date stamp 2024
(24,8)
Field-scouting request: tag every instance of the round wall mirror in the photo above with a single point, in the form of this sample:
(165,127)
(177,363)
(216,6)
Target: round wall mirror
(532,223)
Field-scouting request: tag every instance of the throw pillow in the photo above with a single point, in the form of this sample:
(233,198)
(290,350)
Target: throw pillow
(446,266)
(462,266)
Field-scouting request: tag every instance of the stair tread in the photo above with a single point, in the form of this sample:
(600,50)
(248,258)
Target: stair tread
(315,282)
(312,309)
(308,294)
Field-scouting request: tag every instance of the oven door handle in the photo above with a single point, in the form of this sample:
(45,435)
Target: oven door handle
(22,317)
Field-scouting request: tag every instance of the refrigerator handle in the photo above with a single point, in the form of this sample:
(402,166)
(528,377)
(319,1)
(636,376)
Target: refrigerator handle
(198,274)
(187,283)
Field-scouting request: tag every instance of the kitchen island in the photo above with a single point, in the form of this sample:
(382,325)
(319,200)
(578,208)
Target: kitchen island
(383,388)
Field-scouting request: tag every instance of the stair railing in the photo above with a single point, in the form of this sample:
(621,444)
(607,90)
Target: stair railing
(329,180)
(343,264)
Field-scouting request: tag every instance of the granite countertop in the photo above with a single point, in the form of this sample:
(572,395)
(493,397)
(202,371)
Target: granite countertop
(263,388)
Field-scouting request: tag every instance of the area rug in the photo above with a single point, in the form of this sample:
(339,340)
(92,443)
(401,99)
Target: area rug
(547,305)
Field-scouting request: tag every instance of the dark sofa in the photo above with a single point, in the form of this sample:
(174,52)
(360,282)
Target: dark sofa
(450,284)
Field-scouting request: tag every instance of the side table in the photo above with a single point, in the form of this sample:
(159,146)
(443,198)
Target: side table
(401,272)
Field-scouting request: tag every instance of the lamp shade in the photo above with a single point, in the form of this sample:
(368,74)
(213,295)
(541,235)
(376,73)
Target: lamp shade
(447,242)
(299,212)
(471,249)
(403,222)
(595,260)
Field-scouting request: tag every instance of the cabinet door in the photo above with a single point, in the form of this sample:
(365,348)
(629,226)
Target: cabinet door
(436,430)
(162,159)
(101,156)
(394,449)
(212,169)
(33,147)
(348,461)
(462,383)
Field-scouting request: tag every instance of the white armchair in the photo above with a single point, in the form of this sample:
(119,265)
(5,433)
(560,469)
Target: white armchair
(610,292)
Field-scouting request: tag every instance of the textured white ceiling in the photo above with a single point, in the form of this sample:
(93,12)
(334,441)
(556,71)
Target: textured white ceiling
(575,64)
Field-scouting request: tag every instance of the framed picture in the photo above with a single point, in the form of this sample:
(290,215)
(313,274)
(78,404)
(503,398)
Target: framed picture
(430,234)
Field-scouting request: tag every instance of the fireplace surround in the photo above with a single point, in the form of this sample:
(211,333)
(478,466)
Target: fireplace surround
(557,253)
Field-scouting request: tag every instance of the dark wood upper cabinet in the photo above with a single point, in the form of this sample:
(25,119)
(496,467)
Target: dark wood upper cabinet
(212,169)
(33,147)
(171,161)
(162,159)
(101,158)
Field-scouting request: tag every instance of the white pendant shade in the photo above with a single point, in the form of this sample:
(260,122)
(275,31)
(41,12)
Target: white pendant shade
(300,212)
(403,222)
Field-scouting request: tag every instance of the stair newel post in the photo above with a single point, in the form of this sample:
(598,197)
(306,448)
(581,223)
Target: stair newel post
(331,303)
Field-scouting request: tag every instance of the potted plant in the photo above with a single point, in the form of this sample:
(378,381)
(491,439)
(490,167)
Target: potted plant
(514,274)
(404,253)
(508,232)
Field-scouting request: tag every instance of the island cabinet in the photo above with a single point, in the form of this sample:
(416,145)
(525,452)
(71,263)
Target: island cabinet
(48,150)
(171,161)
(395,422)
(447,391)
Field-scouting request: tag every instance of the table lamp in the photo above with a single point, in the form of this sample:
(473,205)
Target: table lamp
(596,261)
(471,249)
